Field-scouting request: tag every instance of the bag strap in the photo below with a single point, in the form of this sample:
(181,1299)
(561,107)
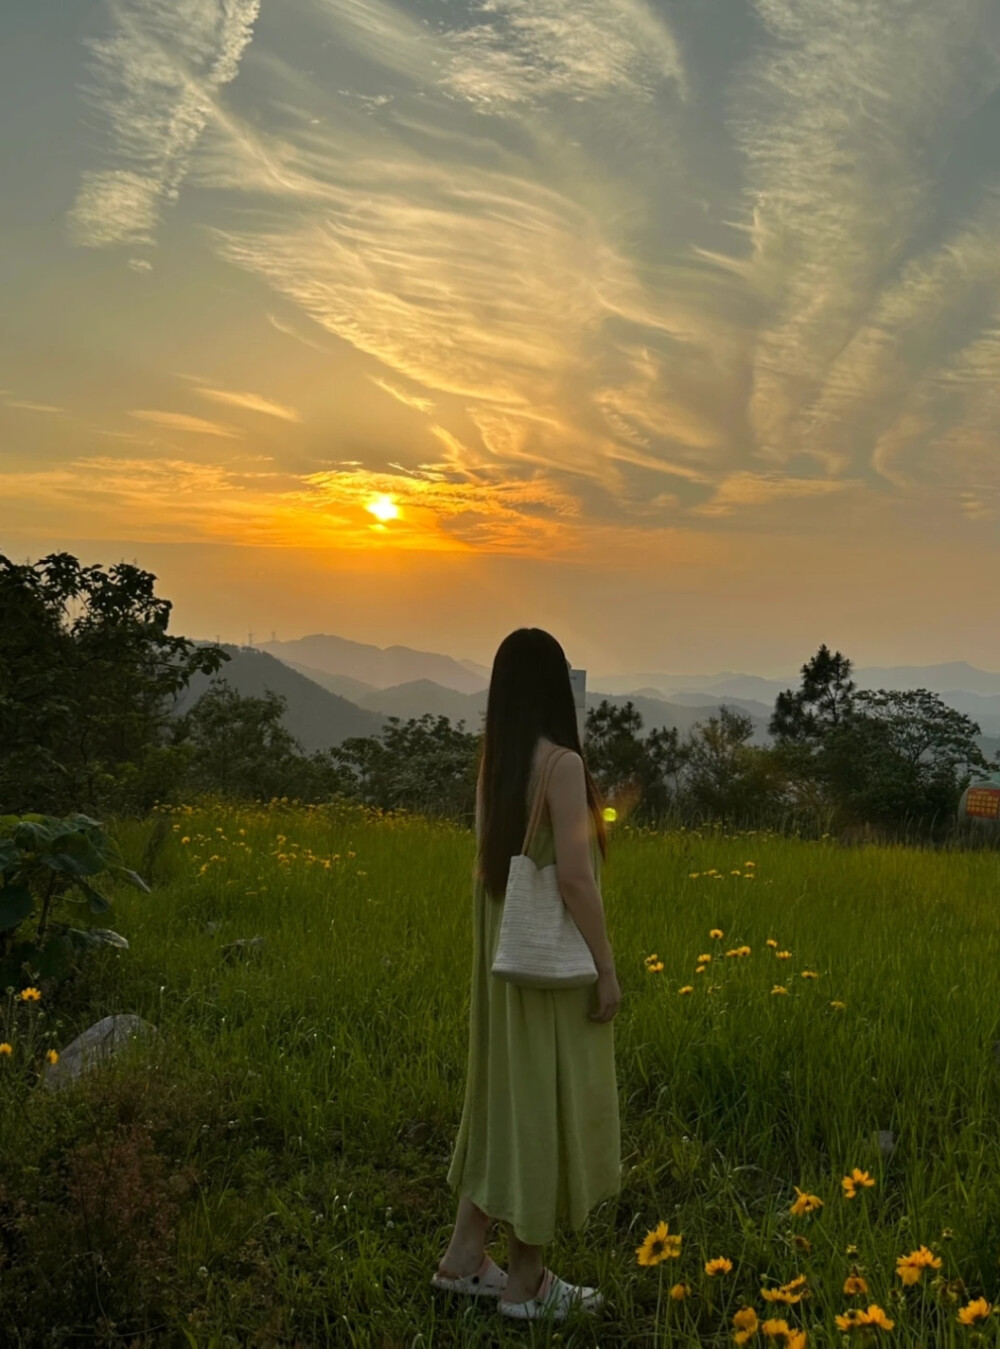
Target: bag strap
(536,808)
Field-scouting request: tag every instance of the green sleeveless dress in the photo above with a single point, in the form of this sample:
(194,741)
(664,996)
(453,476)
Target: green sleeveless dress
(538,1143)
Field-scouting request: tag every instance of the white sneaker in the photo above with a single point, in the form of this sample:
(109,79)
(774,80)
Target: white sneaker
(555,1298)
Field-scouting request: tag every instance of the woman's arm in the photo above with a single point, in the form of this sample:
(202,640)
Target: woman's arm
(571,825)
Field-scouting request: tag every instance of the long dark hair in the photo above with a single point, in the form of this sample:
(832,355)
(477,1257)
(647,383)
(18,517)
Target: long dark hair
(530,695)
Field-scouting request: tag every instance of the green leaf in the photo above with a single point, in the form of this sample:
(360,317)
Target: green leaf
(33,836)
(133,878)
(89,938)
(16,903)
(98,904)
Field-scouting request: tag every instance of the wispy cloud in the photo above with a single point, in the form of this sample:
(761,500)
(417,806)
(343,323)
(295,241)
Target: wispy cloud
(252,402)
(178,498)
(28,406)
(527,51)
(155,79)
(411,400)
(180,421)
(843,116)
(740,490)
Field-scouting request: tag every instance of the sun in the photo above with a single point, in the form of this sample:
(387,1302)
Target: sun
(383,508)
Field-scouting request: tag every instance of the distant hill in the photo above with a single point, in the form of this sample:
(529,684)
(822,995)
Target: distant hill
(957,676)
(686,698)
(375,665)
(983,709)
(423,695)
(314,715)
(341,684)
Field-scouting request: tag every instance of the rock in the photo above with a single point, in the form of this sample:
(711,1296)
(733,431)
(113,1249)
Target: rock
(417,1132)
(243,946)
(98,1042)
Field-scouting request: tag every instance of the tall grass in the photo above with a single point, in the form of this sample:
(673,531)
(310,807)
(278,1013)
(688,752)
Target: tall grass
(304,1094)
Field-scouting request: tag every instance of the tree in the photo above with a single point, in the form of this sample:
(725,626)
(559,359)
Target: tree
(901,757)
(728,778)
(238,745)
(87,675)
(425,764)
(822,701)
(632,771)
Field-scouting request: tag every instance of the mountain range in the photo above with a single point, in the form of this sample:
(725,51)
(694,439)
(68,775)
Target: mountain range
(338,688)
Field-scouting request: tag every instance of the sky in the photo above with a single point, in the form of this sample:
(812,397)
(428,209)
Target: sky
(671,327)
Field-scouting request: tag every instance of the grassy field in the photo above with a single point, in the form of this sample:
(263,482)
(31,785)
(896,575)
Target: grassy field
(273,1171)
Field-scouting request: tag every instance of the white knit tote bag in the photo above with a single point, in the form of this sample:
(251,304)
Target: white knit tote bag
(539,945)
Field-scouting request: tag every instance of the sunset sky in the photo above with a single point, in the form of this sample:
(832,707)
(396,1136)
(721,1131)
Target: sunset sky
(673,327)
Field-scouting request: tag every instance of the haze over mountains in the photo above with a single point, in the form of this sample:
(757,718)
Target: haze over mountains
(337,688)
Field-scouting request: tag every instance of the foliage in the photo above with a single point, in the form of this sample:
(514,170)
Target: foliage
(901,755)
(641,774)
(47,896)
(87,676)
(238,745)
(424,764)
(822,701)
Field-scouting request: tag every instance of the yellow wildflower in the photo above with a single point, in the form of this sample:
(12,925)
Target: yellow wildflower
(51,1056)
(835,1002)
(803,1243)
(911,1267)
(688,988)
(720,1265)
(30,995)
(716,932)
(855,1283)
(874,1316)
(783,955)
(749,864)
(745,1319)
(745,1325)
(770,942)
(789,1293)
(809,974)
(974,1311)
(650,959)
(703,960)
(856,1178)
(737,872)
(699,969)
(679,1291)
(5,1048)
(795,1339)
(656,967)
(774,1328)
(186,839)
(805,1202)
(779,988)
(693,875)
(659,1244)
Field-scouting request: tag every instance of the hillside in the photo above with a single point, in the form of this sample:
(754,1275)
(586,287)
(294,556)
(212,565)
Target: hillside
(381,667)
(314,715)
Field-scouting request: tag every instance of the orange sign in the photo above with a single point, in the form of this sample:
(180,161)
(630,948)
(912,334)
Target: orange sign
(983,802)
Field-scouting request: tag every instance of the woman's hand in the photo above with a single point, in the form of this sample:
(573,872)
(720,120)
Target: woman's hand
(609,996)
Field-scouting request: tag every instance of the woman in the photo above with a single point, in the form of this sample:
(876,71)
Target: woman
(538,1140)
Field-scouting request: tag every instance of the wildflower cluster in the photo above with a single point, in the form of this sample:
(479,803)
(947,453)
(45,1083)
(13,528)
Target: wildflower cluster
(654,965)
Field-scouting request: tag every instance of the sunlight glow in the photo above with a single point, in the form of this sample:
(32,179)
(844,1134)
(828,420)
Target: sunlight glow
(384,508)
